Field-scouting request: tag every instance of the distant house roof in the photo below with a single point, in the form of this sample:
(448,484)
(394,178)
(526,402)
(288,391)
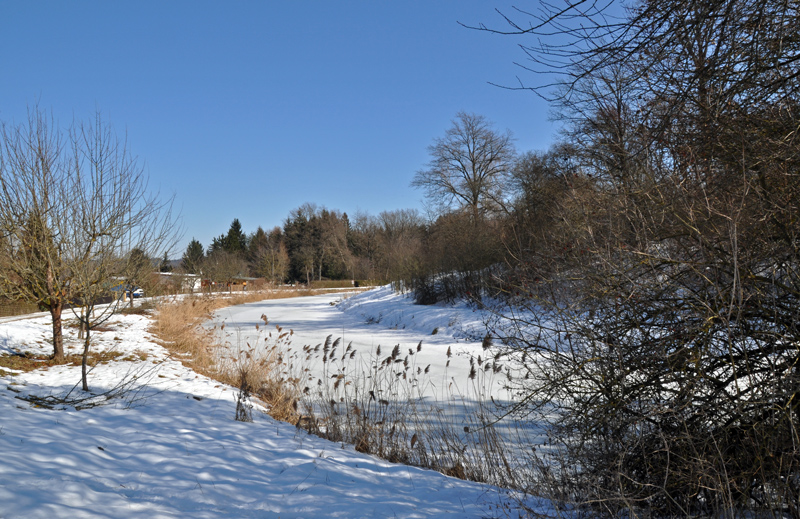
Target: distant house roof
(177,274)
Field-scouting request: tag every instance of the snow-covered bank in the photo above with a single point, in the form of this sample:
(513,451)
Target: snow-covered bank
(384,306)
(172,449)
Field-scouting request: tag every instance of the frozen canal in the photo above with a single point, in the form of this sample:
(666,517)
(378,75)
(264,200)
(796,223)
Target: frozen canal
(443,389)
(374,319)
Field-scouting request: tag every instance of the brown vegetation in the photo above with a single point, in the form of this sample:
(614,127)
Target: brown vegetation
(178,322)
(657,252)
(382,412)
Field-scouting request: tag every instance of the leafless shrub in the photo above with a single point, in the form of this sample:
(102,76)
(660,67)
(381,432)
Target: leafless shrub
(661,343)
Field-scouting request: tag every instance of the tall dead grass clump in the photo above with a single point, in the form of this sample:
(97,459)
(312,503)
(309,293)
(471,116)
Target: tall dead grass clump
(178,326)
(381,409)
(258,369)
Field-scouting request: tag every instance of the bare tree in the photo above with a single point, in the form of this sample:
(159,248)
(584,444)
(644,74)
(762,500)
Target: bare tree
(364,244)
(334,230)
(70,208)
(118,224)
(35,177)
(317,243)
(468,168)
(223,267)
(268,256)
(400,238)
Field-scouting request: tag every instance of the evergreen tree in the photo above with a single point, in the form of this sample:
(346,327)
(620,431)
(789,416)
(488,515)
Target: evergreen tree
(316,242)
(165,266)
(193,257)
(217,244)
(234,242)
(255,243)
(236,239)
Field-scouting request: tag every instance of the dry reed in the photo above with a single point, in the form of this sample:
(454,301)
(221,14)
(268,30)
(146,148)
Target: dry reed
(178,326)
(380,408)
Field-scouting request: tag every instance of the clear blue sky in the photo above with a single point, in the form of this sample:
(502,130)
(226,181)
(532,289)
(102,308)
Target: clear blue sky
(249,109)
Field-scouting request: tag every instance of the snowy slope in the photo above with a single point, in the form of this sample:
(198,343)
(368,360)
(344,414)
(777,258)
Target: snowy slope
(171,448)
(398,311)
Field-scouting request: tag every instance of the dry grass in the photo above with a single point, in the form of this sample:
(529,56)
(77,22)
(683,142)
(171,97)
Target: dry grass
(177,323)
(259,370)
(383,411)
(28,362)
(331,283)
(142,308)
(178,326)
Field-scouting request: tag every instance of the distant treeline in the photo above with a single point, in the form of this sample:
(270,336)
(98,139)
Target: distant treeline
(484,204)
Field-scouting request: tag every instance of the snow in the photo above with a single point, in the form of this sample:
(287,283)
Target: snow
(169,447)
(434,397)
(379,317)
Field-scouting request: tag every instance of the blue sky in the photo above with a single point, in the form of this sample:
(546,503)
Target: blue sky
(250,109)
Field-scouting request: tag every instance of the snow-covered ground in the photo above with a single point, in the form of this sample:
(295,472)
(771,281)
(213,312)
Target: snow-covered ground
(170,447)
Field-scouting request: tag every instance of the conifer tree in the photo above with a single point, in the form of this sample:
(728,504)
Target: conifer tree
(193,257)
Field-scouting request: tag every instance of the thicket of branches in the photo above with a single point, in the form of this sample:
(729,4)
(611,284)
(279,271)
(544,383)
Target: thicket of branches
(657,251)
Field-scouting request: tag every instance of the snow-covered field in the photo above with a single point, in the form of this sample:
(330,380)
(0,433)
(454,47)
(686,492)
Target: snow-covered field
(170,447)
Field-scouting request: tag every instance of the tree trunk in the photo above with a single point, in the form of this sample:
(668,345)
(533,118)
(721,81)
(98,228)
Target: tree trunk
(84,382)
(86,342)
(58,337)
(56,306)
(81,327)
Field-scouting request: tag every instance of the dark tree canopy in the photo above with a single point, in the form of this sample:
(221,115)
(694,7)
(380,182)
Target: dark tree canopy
(164,265)
(317,241)
(234,242)
(236,239)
